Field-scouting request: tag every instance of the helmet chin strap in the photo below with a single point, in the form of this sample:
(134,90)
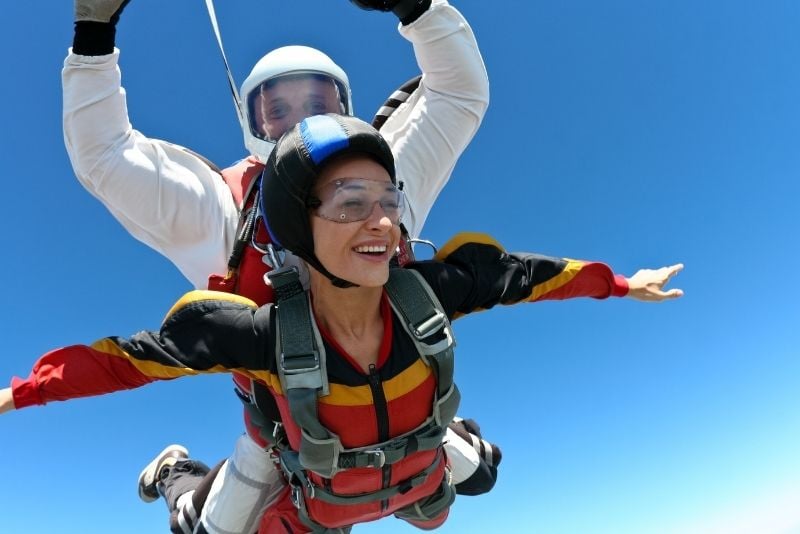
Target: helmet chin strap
(237,101)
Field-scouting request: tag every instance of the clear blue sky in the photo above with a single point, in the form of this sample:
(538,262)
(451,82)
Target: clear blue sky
(637,133)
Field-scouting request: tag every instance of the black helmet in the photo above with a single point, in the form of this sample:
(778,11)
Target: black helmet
(294,166)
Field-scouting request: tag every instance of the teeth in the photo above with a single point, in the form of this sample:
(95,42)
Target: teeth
(372,248)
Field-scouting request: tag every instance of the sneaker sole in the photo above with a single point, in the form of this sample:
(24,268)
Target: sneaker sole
(175,451)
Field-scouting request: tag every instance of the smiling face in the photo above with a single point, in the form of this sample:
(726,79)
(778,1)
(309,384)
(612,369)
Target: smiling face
(359,251)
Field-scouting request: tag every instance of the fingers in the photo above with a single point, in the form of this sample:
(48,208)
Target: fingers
(670,294)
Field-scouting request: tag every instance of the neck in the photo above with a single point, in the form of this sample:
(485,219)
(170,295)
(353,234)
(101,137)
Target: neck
(347,312)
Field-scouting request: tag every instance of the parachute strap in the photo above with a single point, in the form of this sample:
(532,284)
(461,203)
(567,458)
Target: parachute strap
(300,352)
(293,469)
(303,375)
(425,320)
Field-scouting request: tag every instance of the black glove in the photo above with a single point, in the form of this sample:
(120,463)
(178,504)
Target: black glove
(406,10)
(95,26)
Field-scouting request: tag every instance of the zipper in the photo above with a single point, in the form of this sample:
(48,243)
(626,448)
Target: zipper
(382,416)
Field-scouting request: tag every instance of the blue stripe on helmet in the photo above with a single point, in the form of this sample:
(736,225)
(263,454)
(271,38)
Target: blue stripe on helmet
(322,136)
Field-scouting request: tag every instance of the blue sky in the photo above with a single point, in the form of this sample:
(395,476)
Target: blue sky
(637,133)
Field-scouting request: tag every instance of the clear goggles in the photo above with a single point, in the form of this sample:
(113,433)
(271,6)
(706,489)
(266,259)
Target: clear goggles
(353,199)
(280,102)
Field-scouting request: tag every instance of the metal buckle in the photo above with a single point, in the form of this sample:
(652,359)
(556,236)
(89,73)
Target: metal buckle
(378,458)
(296,495)
(310,487)
(434,323)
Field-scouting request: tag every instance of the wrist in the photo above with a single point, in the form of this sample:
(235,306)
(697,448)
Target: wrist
(409,11)
(94,38)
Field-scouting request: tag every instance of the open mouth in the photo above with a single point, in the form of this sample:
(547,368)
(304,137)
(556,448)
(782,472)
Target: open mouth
(371,250)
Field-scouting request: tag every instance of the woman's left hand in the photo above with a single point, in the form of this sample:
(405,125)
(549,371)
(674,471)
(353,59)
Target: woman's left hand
(648,284)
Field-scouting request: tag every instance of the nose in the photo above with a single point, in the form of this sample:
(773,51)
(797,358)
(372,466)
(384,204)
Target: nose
(378,219)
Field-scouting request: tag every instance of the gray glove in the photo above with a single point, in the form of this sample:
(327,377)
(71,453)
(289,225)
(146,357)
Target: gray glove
(99,10)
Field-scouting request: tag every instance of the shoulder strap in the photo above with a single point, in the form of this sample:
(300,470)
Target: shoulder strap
(302,370)
(425,320)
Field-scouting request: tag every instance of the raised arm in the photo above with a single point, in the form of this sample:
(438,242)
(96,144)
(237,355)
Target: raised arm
(205,332)
(165,196)
(431,130)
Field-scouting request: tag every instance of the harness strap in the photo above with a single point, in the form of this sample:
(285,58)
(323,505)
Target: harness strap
(426,322)
(303,374)
(295,472)
(301,356)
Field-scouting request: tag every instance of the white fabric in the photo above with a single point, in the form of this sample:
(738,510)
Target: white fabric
(173,202)
(462,458)
(251,483)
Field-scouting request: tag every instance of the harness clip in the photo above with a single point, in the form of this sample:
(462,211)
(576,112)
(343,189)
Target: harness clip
(300,363)
(433,324)
(378,459)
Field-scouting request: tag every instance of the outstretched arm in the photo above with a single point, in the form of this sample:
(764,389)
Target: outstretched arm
(473,272)
(165,196)
(205,332)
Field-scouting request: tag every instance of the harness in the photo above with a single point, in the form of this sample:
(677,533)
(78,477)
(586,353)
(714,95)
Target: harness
(303,375)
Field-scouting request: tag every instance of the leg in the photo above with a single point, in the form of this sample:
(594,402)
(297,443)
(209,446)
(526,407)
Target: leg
(251,483)
(230,498)
(180,481)
(472,460)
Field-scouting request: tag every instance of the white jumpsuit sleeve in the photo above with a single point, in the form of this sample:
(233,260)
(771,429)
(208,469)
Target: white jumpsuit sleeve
(430,131)
(163,195)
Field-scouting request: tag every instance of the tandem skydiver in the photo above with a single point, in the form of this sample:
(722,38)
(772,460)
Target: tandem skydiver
(204,220)
(361,364)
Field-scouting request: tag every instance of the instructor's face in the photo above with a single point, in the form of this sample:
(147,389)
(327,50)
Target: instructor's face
(289,101)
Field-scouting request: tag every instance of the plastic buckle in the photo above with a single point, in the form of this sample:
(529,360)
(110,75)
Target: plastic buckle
(300,363)
(378,459)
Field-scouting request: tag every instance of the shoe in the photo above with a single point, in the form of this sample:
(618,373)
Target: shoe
(151,474)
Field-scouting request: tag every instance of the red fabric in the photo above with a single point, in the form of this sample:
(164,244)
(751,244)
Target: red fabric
(91,371)
(595,280)
(281,518)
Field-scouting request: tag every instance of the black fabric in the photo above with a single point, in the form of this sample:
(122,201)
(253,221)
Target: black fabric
(406,10)
(204,487)
(485,475)
(94,38)
(410,10)
(183,477)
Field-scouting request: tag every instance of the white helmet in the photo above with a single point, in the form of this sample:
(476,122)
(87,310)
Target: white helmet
(287,61)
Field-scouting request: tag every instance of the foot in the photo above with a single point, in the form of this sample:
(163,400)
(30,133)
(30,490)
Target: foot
(150,475)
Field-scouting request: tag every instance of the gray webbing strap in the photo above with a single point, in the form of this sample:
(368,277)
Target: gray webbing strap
(425,438)
(294,470)
(424,316)
(299,359)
